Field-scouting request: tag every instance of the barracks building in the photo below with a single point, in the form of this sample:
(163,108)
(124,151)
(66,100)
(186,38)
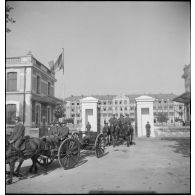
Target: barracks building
(30,89)
(116,104)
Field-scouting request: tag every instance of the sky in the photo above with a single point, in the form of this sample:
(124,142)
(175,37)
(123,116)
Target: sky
(109,47)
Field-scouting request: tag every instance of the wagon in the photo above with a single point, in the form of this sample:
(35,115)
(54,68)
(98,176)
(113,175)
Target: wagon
(68,151)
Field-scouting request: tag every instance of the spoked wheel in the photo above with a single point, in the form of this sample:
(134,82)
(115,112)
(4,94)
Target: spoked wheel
(99,145)
(69,153)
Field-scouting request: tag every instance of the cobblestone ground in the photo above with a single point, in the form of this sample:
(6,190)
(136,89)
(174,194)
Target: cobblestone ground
(151,165)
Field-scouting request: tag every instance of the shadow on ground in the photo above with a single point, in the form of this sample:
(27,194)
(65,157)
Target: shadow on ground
(182,145)
(120,192)
(55,165)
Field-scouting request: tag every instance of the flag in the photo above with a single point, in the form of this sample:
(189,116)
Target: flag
(59,64)
(51,65)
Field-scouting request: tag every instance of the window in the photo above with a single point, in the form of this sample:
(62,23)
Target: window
(73,115)
(72,109)
(125,101)
(72,103)
(78,115)
(171,107)
(109,108)
(125,108)
(171,113)
(120,102)
(159,102)
(10,113)
(121,109)
(12,81)
(110,102)
(77,103)
(104,103)
(116,102)
(104,109)
(48,115)
(131,108)
(48,88)
(180,107)
(38,84)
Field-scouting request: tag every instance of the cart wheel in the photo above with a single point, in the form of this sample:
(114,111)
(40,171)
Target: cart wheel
(99,145)
(69,153)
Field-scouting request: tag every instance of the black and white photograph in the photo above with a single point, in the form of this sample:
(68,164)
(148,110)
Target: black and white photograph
(97,97)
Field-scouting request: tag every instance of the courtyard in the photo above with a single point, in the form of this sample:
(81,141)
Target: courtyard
(150,165)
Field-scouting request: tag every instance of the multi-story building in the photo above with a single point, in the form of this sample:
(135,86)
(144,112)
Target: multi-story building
(126,104)
(186,96)
(29,91)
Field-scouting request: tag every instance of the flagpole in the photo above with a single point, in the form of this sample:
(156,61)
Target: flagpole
(63,75)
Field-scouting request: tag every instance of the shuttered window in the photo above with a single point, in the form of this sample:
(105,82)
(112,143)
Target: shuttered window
(10,113)
(12,81)
(38,84)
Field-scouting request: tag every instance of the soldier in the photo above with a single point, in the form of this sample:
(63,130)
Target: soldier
(113,121)
(52,129)
(18,134)
(127,120)
(63,131)
(113,124)
(148,129)
(105,132)
(88,127)
(129,130)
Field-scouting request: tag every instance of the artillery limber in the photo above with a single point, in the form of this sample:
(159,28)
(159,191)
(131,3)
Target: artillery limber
(67,150)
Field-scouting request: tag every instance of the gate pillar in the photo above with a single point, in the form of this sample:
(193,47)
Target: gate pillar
(89,113)
(145,114)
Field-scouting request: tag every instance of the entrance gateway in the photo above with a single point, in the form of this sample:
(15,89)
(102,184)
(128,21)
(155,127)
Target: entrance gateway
(89,113)
(144,115)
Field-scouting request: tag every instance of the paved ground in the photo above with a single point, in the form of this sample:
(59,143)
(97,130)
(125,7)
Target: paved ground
(152,165)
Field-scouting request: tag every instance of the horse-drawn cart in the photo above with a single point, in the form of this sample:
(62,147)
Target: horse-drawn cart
(68,151)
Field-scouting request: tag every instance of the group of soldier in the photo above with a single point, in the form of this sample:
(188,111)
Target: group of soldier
(57,131)
(120,123)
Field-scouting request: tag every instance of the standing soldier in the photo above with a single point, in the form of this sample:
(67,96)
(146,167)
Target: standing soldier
(113,121)
(88,127)
(105,132)
(17,135)
(113,124)
(121,122)
(129,130)
(148,129)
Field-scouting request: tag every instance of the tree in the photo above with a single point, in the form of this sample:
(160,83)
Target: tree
(59,111)
(8,18)
(162,117)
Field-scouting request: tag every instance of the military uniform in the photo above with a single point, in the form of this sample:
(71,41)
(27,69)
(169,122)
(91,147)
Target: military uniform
(63,132)
(148,130)
(17,135)
(127,121)
(88,127)
(113,121)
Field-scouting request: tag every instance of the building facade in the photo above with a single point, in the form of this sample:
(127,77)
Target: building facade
(29,92)
(126,104)
(185,97)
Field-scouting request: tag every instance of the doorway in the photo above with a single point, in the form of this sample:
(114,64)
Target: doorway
(144,119)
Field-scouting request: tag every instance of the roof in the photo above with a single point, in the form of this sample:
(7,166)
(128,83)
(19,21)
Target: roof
(183,98)
(159,96)
(145,98)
